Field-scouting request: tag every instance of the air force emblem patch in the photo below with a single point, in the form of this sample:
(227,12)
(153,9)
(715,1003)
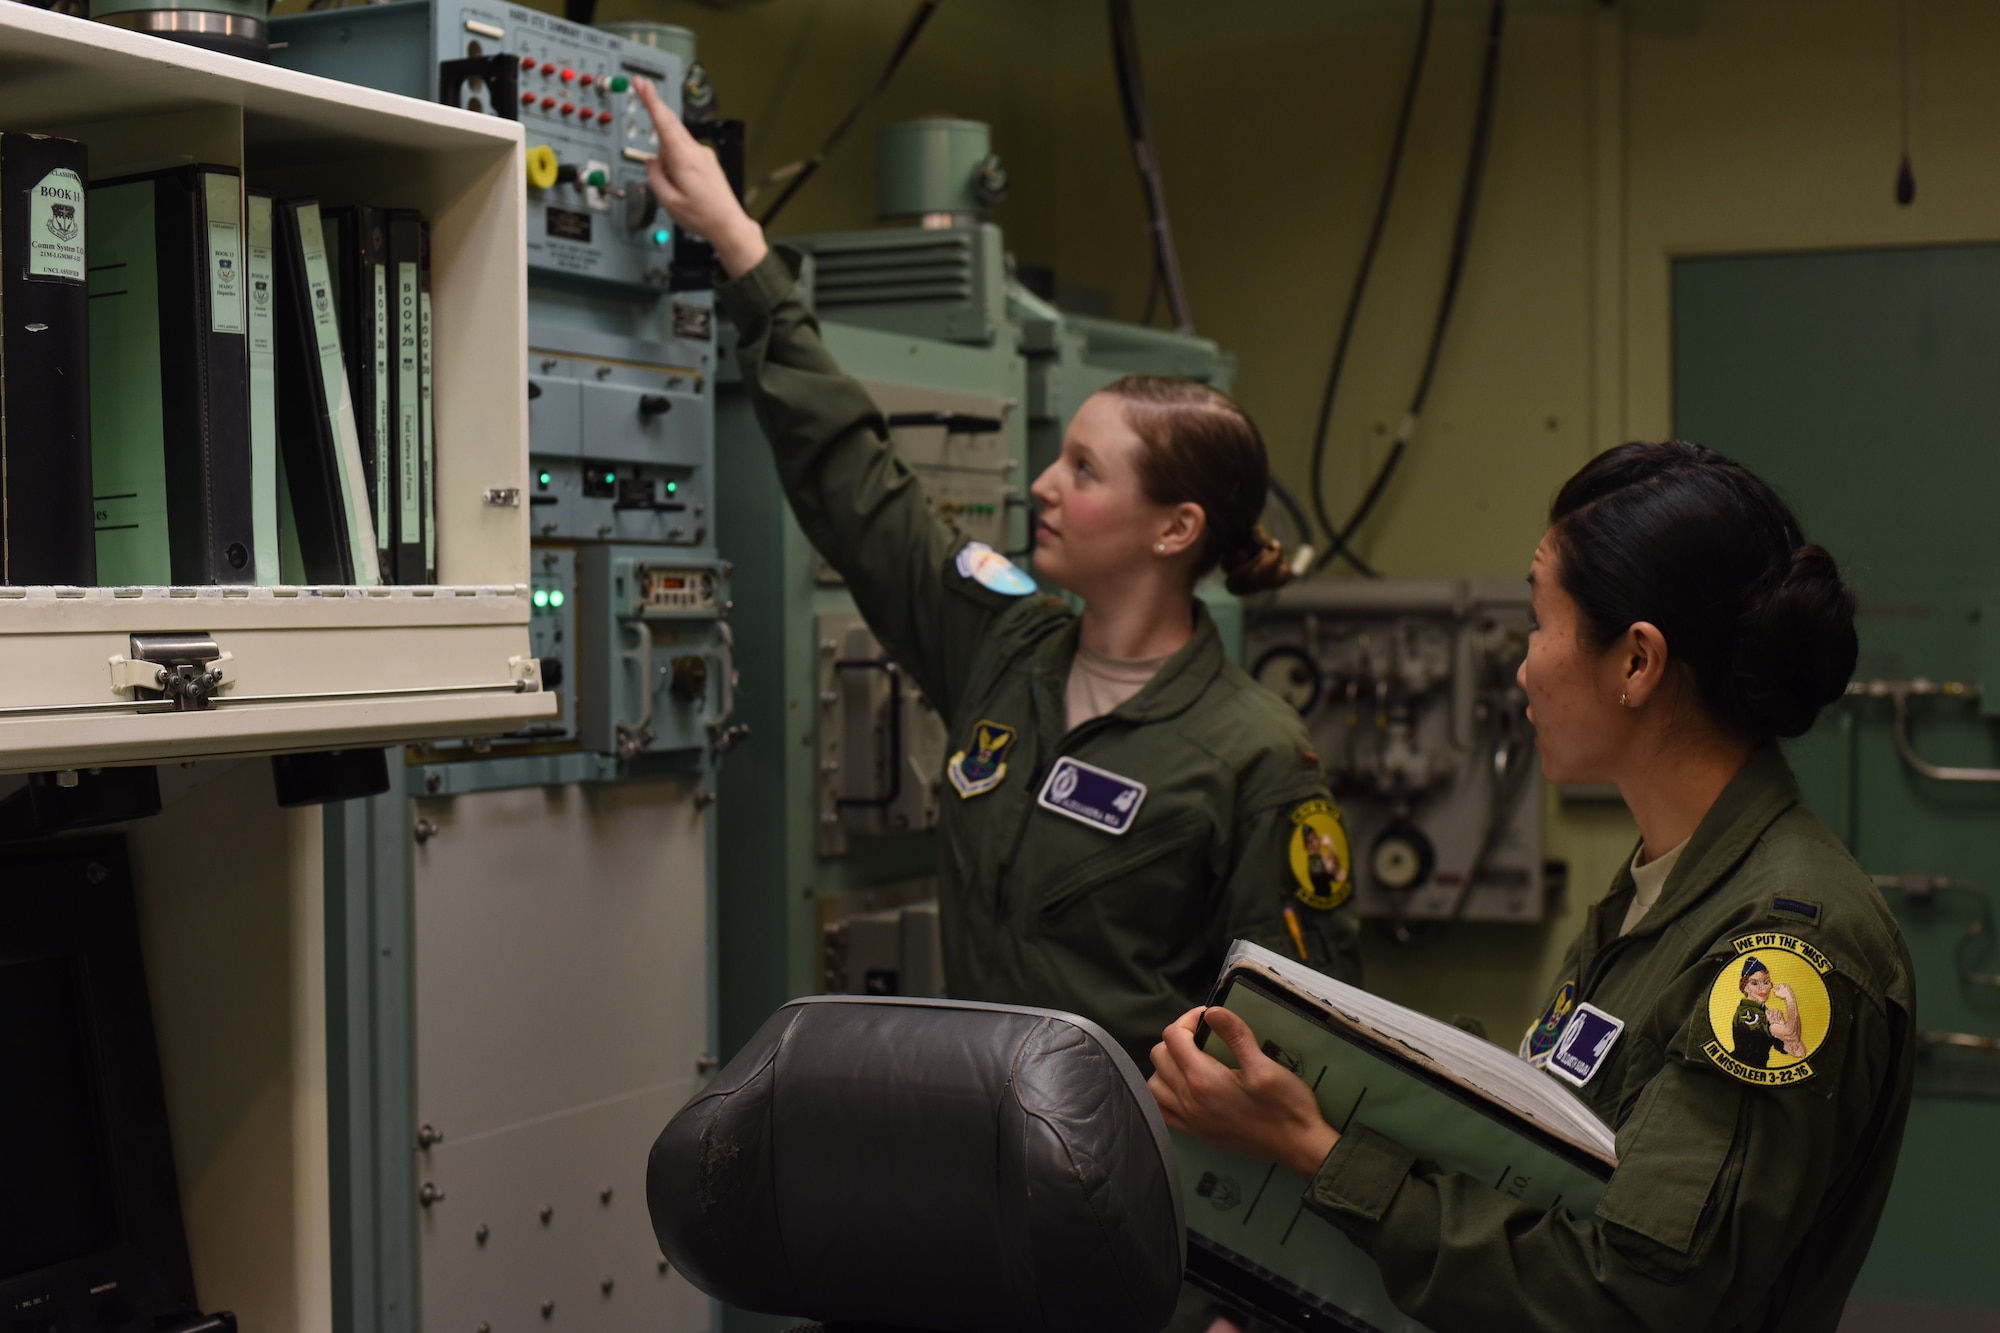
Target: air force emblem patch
(982,766)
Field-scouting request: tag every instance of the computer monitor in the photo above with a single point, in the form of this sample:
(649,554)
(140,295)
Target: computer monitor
(90,1231)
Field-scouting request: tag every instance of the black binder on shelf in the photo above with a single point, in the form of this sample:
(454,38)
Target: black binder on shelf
(47,532)
(325,479)
(170,379)
(426,416)
(405,267)
(358,247)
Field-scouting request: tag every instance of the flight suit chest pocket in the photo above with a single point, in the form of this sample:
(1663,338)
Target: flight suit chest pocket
(1145,867)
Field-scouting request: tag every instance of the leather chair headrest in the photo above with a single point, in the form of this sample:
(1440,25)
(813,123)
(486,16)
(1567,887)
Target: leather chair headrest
(926,1164)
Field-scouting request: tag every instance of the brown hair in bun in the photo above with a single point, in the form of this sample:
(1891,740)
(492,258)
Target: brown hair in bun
(1201,448)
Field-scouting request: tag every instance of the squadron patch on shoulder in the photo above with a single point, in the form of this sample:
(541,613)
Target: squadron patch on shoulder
(1540,1038)
(982,766)
(990,569)
(1769,1010)
(1319,855)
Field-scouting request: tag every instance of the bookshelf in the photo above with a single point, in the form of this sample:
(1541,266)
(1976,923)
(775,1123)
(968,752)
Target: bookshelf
(309,668)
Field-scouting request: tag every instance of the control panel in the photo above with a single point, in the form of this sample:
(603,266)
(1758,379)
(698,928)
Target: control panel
(552,636)
(619,449)
(590,214)
(660,646)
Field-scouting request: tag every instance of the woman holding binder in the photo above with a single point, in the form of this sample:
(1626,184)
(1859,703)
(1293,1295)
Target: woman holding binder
(1683,625)
(1123,801)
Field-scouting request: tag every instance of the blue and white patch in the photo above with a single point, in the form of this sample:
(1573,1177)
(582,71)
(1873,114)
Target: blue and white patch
(1586,1041)
(1092,796)
(990,569)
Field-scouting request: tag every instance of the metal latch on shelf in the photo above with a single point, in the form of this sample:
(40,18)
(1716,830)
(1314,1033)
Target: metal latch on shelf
(185,668)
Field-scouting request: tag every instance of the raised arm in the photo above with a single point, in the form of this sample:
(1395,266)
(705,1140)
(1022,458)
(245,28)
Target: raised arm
(926,597)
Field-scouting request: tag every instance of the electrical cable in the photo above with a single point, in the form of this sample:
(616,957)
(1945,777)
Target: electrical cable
(1461,244)
(801,172)
(1388,193)
(1139,126)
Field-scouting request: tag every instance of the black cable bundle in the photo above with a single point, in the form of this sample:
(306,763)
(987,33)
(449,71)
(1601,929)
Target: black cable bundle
(1468,207)
(1139,126)
(804,170)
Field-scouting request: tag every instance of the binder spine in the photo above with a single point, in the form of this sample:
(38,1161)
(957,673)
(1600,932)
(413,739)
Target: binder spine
(47,520)
(426,424)
(404,231)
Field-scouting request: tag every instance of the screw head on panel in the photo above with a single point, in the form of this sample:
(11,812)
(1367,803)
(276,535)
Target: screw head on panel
(548,1211)
(605,1284)
(481,1232)
(604,1195)
(548,1309)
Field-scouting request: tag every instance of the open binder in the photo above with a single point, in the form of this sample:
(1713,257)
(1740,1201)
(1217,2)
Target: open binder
(1446,1095)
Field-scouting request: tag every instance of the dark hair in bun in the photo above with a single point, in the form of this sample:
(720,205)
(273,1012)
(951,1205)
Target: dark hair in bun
(1201,448)
(1703,549)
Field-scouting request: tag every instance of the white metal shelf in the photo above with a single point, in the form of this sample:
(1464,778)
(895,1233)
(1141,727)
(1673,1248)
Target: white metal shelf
(311,668)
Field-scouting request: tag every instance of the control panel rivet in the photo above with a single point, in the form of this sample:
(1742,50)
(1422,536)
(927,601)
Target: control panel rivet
(481,1232)
(548,1309)
(606,1284)
(663,1268)
(604,1195)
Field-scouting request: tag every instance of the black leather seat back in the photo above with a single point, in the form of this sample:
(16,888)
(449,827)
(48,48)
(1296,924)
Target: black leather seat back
(929,1164)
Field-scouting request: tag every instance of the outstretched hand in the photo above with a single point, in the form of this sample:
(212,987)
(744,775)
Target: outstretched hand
(688,180)
(1259,1109)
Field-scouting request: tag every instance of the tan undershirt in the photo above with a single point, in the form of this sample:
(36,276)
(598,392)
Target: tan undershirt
(1648,879)
(1098,684)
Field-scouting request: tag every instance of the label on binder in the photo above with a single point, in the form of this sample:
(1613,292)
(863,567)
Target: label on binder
(225,252)
(55,227)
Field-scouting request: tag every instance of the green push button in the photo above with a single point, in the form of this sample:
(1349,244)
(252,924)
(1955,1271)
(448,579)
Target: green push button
(597,180)
(619,83)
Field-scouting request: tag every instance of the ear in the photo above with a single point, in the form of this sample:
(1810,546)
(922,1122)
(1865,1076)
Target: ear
(1185,524)
(1642,664)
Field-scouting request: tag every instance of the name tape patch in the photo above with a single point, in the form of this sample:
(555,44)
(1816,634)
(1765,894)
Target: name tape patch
(1586,1041)
(1092,795)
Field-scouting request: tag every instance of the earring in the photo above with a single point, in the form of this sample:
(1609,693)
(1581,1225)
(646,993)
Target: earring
(1159,548)
(1624,701)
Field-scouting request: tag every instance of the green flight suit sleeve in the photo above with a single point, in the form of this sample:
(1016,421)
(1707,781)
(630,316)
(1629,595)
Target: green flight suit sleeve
(1716,1185)
(860,505)
(1263,886)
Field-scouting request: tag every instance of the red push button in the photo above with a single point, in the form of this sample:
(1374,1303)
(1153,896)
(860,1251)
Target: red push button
(568,109)
(527,62)
(586,80)
(547,68)
(527,99)
(604,117)
(569,76)
(548,103)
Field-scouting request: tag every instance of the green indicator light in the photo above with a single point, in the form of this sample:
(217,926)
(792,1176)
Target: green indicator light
(673,486)
(544,479)
(611,479)
(556,598)
(541,597)
(661,236)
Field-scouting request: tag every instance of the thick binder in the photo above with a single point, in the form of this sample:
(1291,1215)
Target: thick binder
(1446,1095)
(358,248)
(170,379)
(46,523)
(327,484)
(261,256)
(405,267)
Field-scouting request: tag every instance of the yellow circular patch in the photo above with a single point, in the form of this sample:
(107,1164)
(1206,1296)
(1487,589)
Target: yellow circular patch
(1321,862)
(1769,1010)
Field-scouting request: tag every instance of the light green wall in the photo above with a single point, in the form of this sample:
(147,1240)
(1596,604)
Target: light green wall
(1626,134)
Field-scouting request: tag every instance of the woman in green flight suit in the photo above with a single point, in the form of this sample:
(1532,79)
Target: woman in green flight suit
(1682,624)
(1124,801)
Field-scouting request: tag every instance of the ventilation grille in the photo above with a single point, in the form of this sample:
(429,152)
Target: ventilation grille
(894,270)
